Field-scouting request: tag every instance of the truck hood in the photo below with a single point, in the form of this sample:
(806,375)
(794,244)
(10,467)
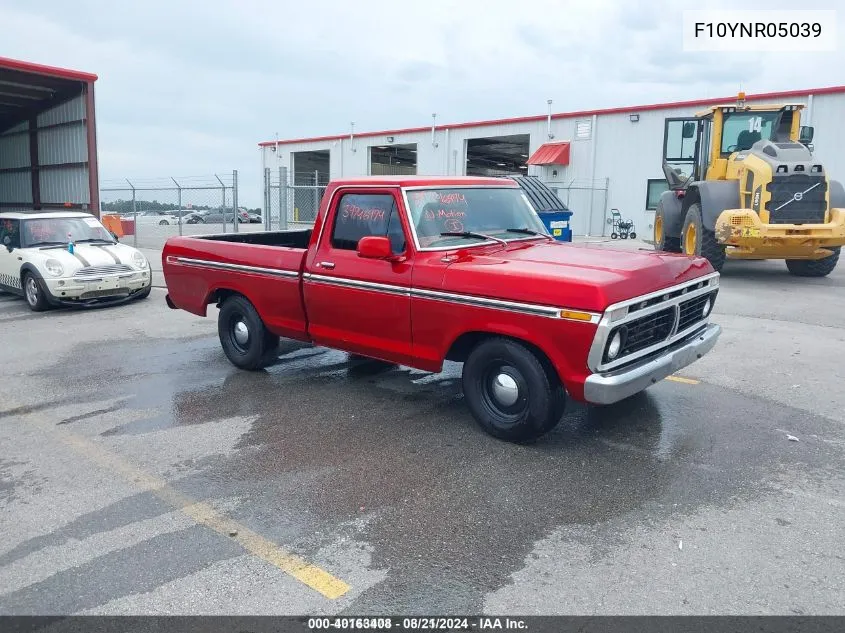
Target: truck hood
(583,276)
(86,255)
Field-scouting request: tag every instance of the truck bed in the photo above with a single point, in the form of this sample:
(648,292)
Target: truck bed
(289,239)
(264,267)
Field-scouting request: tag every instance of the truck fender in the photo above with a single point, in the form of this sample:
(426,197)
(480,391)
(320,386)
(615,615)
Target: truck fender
(714,196)
(673,218)
(837,195)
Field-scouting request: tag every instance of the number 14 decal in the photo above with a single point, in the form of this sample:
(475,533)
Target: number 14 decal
(755,124)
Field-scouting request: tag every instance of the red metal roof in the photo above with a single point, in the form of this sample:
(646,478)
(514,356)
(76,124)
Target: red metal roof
(556,153)
(47,71)
(566,115)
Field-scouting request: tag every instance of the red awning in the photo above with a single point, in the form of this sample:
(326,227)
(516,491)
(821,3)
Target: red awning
(556,153)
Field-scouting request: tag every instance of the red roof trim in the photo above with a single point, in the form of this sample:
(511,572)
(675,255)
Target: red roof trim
(567,115)
(49,71)
(555,153)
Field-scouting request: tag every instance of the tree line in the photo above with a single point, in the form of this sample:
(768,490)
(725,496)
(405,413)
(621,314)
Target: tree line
(125,206)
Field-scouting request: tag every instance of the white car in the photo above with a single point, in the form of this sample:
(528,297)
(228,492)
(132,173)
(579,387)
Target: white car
(68,259)
(162,218)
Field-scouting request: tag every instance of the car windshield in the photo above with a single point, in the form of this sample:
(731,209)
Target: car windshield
(503,213)
(46,231)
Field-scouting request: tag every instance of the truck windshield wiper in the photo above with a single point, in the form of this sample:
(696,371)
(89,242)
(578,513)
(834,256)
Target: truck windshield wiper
(528,231)
(480,236)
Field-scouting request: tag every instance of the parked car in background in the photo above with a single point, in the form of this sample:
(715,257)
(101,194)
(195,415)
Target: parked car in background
(68,259)
(219,216)
(157,217)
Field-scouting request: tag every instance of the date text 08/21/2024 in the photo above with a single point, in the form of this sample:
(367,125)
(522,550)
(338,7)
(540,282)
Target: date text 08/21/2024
(418,623)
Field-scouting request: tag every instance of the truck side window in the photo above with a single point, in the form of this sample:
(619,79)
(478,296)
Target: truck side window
(361,215)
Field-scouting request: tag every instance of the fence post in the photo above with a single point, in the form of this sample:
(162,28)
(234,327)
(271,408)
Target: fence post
(283,198)
(222,202)
(316,191)
(179,200)
(134,217)
(234,200)
(266,203)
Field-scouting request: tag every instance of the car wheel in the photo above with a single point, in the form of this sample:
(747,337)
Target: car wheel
(511,394)
(34,293)
(246,341)
(163,223)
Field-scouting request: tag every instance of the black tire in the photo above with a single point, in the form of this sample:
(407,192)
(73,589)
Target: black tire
(614,235)
(540,396)
(34,292)
(163,223)
(633,236)
(704,243)
(664,242)
(259,348)
(814,267)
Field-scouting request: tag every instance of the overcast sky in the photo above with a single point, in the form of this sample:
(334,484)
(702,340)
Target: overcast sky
(191,88)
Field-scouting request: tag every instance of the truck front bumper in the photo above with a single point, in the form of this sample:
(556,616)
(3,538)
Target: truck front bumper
(748,237)
(617,385)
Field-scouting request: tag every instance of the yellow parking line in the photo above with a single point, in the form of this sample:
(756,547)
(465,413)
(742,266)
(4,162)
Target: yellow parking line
(686,381)
(308,574)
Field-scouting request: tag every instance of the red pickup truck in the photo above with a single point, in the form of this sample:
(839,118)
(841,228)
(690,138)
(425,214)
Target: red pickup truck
(418,270)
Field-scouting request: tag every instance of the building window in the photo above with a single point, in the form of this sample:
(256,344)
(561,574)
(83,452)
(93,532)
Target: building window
(654,189)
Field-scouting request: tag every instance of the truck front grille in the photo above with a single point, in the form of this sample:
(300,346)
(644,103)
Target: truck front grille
(691,311)
(797,199)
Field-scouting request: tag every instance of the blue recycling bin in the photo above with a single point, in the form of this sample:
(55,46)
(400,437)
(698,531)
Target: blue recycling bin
(557,222)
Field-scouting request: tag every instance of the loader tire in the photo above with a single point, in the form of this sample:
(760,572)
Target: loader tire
(698,240)
(662,240)
(814,267)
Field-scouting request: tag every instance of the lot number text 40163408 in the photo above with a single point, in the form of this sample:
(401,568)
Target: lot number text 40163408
(418,624)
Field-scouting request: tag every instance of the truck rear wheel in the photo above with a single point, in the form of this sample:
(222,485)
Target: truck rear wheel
(814,267)
(696,239)
(509,391)
(245,339)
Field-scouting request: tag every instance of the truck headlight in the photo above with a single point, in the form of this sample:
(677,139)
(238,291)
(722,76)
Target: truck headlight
(54,267)
(708,305)
(615,346)
(139,260)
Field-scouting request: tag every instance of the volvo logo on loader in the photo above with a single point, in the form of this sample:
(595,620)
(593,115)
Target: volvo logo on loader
(798,196)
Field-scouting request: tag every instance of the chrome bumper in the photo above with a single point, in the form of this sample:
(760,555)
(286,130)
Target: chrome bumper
(614,386)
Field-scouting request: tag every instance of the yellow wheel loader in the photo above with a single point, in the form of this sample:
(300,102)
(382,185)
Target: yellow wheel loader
(744,184)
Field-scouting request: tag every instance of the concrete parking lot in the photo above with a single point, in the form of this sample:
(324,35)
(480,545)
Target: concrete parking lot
(141,473)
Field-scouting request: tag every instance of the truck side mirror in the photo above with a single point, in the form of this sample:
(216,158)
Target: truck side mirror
(688,130)
(375,247)
(805,134)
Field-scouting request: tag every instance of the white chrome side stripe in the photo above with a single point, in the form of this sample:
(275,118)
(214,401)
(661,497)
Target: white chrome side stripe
(276,272)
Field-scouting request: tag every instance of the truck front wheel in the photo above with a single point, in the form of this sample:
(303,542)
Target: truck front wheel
(814,267)
(246,341)
(509,391)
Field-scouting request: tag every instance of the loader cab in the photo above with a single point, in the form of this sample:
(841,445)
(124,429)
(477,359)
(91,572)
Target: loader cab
(700,147)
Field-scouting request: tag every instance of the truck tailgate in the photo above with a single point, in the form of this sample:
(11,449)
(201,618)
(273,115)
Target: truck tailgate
(197,271)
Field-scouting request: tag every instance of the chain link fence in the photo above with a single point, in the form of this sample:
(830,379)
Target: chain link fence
(587,199)
(293,198)
(153,210)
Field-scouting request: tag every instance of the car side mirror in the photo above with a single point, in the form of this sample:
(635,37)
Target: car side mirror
(375,247)
(805,134)
(7,242)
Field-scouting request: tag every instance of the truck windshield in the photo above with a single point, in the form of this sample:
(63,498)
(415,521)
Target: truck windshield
(503,213)
(47,231)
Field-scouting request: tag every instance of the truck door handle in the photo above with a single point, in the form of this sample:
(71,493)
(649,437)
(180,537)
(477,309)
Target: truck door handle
(329,265)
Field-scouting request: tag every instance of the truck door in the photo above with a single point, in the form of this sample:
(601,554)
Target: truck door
(358,304)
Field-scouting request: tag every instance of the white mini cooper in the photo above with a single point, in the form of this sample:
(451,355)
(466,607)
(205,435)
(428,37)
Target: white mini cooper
(68,259)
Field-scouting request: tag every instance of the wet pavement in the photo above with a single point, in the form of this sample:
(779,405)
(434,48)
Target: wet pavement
(141,473)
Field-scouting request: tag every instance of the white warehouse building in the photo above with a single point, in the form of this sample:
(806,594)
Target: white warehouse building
(597,160)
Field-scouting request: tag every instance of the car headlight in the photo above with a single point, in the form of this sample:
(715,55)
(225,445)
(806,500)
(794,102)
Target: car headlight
(54,267)
(615,346)
(139,260)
